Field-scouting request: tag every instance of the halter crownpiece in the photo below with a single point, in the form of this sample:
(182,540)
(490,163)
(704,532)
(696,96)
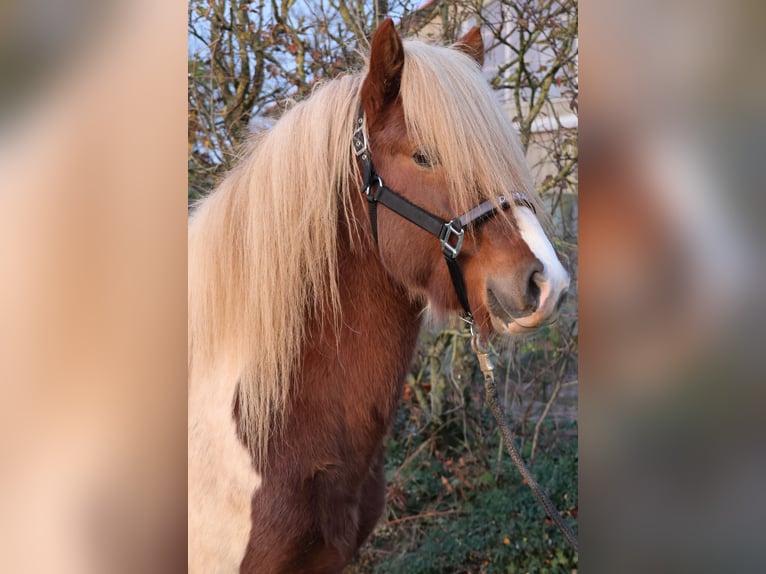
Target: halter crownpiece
(450,233)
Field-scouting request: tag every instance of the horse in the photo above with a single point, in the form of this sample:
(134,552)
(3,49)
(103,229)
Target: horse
(310,268)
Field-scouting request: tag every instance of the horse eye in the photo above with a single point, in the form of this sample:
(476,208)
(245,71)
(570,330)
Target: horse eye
(421,159)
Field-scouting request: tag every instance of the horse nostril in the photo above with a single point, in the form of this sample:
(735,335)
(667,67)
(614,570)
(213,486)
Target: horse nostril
(533,288)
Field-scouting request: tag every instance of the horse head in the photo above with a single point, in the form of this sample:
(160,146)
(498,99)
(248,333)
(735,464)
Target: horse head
(440,140)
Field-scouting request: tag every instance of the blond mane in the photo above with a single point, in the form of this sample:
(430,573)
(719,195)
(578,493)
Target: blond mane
(263,246)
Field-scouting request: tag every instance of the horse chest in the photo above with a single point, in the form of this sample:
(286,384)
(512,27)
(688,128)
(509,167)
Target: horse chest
(325,489)
(315,523)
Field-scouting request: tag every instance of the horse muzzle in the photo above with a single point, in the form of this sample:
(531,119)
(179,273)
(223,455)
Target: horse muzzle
(523,306)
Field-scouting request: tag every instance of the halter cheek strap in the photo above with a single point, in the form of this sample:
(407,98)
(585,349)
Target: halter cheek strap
(450,233)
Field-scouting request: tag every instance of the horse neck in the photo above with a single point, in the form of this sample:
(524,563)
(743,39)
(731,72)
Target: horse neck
(352,379)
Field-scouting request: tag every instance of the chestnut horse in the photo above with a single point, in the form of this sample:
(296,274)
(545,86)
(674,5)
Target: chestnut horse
(305,301)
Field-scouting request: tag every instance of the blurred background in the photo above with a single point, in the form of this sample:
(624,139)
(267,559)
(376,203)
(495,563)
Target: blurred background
(665,324)
(92,286)
(671,287)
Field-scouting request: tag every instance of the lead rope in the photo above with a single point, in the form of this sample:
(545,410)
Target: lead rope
(490,388)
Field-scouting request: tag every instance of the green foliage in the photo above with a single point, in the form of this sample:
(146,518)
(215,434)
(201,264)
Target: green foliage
(456,502)
(474,515)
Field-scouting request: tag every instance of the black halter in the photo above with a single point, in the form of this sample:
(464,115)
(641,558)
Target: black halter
(450,233)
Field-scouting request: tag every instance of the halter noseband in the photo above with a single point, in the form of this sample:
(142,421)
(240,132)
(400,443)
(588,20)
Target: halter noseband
(450,233)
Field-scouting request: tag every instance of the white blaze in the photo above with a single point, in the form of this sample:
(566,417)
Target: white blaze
(554,279)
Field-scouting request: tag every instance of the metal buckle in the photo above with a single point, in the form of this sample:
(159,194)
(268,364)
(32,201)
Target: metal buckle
(448,230)
(359,139)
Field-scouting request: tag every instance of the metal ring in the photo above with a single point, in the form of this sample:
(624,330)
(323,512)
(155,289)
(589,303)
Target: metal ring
(368,188)
(476,344)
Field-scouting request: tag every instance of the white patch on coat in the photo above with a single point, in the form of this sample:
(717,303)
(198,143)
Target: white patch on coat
(222,480)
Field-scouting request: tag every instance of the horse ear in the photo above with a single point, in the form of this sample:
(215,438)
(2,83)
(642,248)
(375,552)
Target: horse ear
(381,86)
(472,44)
